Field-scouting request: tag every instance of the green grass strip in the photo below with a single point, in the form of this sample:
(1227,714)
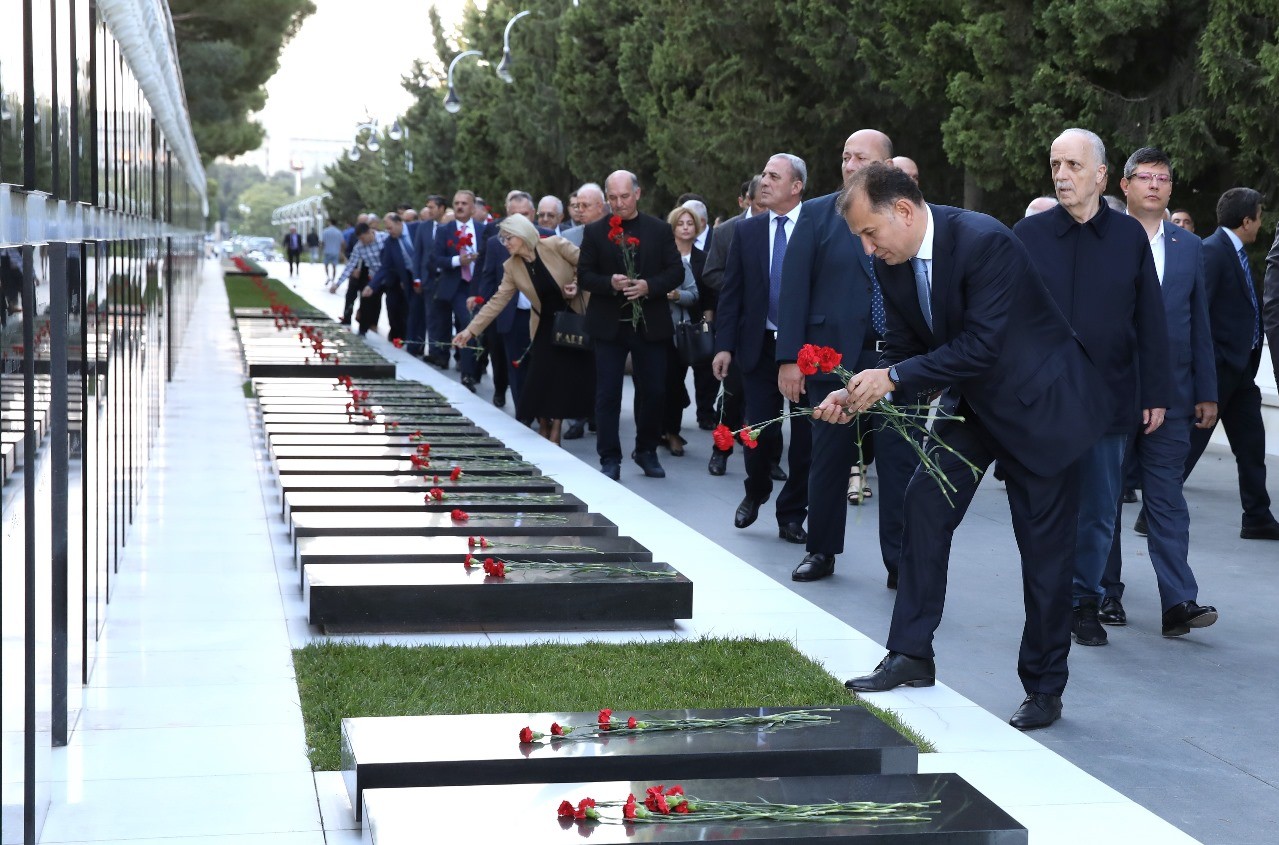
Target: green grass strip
(243,292)
(344,680)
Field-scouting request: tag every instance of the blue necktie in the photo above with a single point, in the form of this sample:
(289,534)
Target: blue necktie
(877,317)
(923,290)
(775,271)
(1252,297)
(406,248)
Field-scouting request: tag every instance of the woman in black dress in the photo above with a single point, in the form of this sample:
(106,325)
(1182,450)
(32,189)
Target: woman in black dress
(561,380)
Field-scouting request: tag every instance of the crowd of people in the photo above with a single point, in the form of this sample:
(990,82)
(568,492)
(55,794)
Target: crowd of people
(1086,353)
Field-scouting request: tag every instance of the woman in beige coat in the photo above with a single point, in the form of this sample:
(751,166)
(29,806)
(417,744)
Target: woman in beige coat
(561,380)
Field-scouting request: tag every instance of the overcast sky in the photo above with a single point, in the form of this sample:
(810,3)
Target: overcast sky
(346,59)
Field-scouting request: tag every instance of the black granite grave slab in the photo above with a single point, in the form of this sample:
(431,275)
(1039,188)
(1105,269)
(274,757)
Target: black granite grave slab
(369,597)
(455,452)
(320,370)
(438,416)
(423,524)
(359,437)
(406,751)
(418,484)
(458,426)
(526,813)
(397,501)
(338,405)
(341,466)
(452,550)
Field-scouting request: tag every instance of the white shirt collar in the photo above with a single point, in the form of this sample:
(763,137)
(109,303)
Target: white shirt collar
(1234,239)
(926,246)
(791,215)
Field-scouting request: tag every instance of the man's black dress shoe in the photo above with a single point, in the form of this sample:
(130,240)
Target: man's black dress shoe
(719,462)
(438,362)
(1140,525)
(776,472)
(747,511)
(1039,710)
(1130,496)
(1112,612)
(575,430)
(613,469)
(1260,532)
(792,532)
(469,383)
(499,400)
(1084,627)
(896,670)
(814,566)
(892,580)
(1180,618)
(647,461)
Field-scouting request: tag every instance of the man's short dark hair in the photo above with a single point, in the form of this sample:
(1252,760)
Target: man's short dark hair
(746,189)
(403,207)
(683,198)
(361,228)
(1236,205)
(437,199)
(883,185)
(1148,155)
(395,218)
(1176,211)
(752,187)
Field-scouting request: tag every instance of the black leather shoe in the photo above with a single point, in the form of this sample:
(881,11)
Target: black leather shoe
(1084,627)
(575,430)
(1140,525)
(719,462)
(647,461)
(896,670)
(792,532)
(892,581)
(499,400)
(613,469)
(1130,496)
(776,472)
(747,511)
(1260,532)
(1112,612)
(1180,618)
(814,567)
(438,362)
(1039,710)
(469,383)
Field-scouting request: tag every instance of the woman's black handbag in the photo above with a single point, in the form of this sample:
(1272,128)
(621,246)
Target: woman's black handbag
(569,330)
(695,342)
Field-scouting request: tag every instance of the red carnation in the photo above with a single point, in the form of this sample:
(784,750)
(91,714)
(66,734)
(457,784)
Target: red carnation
(615,222)
(829,358)
(556,730)
(628,809)
(809,359)
(585,809)
(526,735)
(515,364)
(455,474)
(459,515)
(469,561)
(632,241)
(631,722)
(750,439)
(424,449)
(605,716)
(397,343)
(479,300)
(566,809)
(723,437)
(437,494)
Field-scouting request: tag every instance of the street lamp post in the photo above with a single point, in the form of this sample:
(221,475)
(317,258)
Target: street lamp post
(504,67)
(452,103)
(371,145)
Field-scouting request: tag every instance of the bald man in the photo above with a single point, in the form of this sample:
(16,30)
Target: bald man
(1039,205)
(907,166)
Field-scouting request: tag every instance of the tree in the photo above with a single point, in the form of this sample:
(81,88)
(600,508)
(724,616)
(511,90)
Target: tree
(228,50)
(261,199)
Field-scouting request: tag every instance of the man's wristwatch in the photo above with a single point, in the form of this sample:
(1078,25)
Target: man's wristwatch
(893,377)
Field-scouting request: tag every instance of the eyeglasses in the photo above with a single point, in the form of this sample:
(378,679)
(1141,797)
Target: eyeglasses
(1147,178)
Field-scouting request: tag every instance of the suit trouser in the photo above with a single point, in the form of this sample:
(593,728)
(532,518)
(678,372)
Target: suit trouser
(648,364)
(514,343)
(1161,459)
(834,453)
(675,395)
(446,313)
(764,402)
(370,311)
(415,334)
(1239,410)
(1045,515)
(705,387)
(354,284)
(397,311)
(1101,472)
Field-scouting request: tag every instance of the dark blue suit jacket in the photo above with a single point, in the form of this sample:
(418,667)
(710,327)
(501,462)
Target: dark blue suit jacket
(490,278)
(450,277)
(998,338)
(1229,307)
(1102,276)
(424,252)
(825,285)
(1194,368)
(395,271)
(742,314)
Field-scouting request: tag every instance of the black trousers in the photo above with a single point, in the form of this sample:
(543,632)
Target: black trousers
(705,388)
(834,453)
(1239,410)
(764,402)
(397,311)
(648,364)
(354,284)
(675,396)
(1045,516)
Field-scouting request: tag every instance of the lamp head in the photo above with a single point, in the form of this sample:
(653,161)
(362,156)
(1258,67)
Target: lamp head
(504,68)
(452,104)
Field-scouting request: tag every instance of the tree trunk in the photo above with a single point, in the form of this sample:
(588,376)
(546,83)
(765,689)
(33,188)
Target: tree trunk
(973,193)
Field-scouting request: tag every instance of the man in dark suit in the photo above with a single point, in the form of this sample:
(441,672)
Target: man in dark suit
(588,205)
(457,250)
(1270,309)
(395,276)
(732,410)
(629,315)
(507,339)
(293,249)
(1160,456)
(1098,266)
(967,311)
(1233,307)
(746,330)
(830,297)
(428,224)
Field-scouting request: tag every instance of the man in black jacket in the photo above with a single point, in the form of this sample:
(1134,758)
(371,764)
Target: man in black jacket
(628,314)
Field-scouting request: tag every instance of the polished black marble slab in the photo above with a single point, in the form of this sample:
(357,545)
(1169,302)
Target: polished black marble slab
(341,466)
(528,813)
(422,523)
(369,597)
(320,370)
(438,416)
(442,427)
(418,483)
(440,453)
(359,437)
(453,549)
(338,405)
(405,500)
(403,751)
